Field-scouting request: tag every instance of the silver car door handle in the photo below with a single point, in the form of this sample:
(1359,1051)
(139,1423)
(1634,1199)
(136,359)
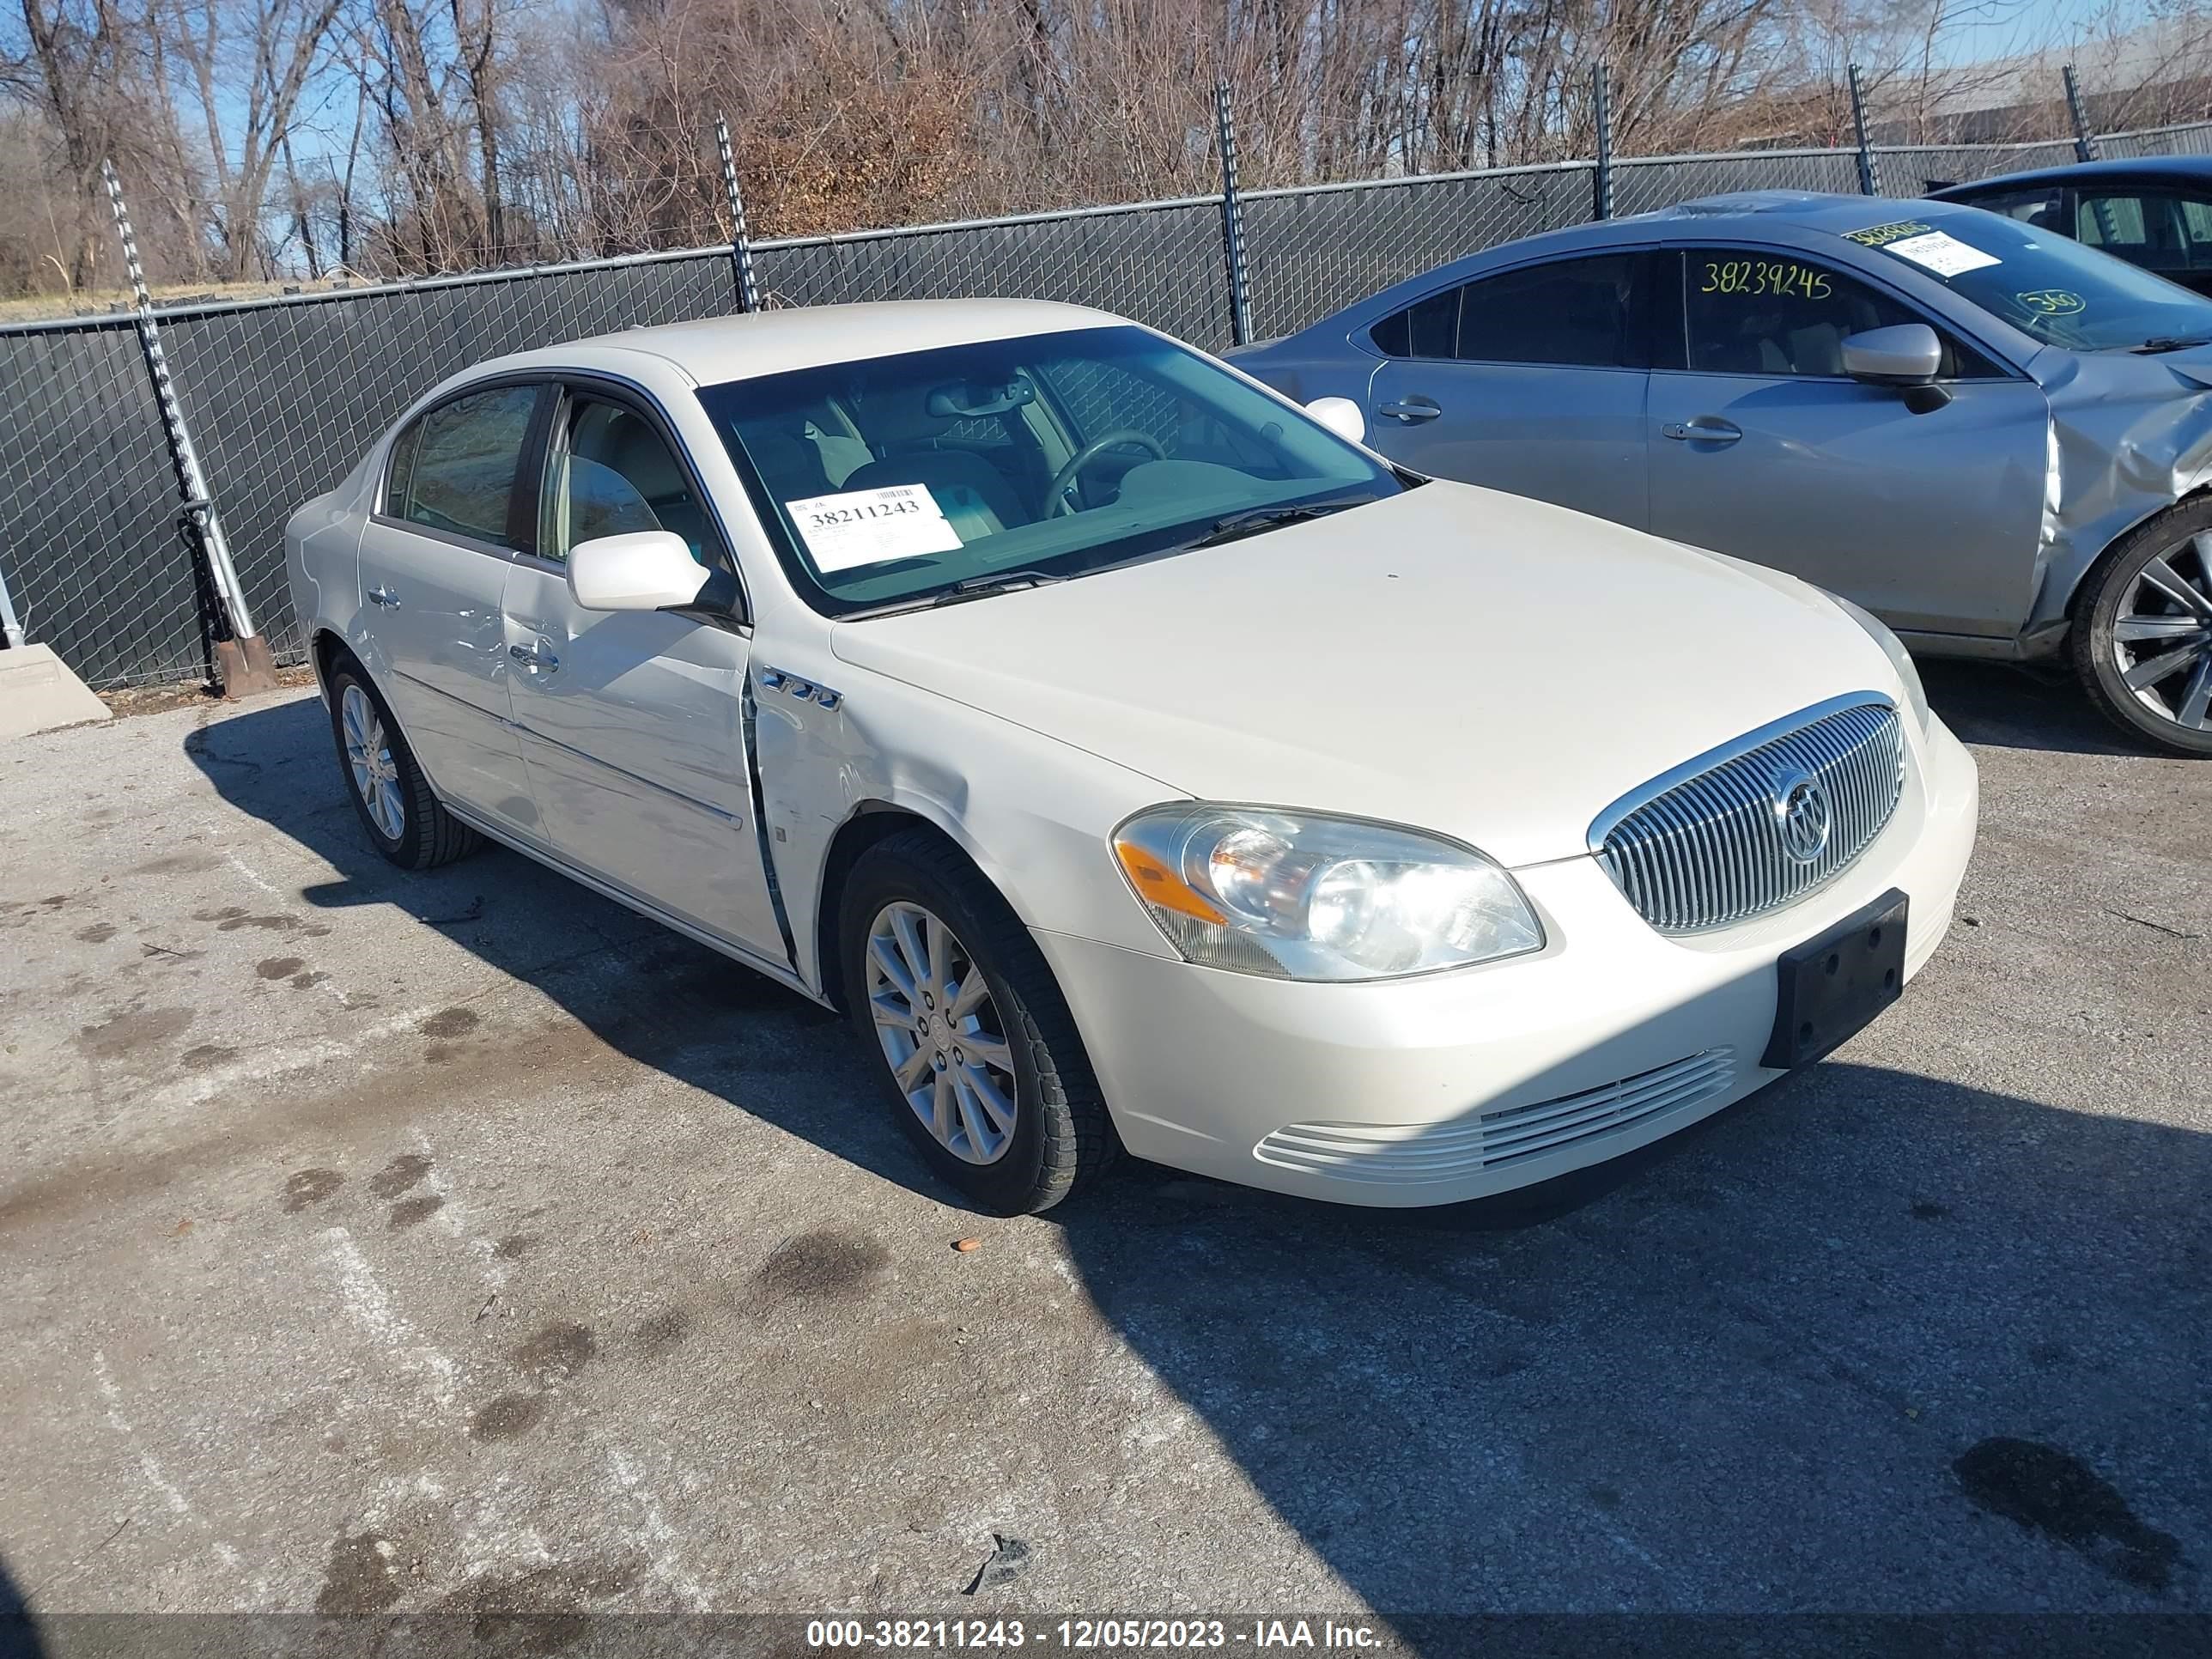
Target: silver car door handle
(385,597)
(535,658)
(1705,429)
(1412,410)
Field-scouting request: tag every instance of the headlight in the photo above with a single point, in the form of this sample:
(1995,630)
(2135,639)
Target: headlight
(1900,657)
(1295,895)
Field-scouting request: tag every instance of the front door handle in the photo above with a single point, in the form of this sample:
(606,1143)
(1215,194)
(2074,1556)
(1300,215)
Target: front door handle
(534,657)
(1411,410)
(1704,429)
(385,597)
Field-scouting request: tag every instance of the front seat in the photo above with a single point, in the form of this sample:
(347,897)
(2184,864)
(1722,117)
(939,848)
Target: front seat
(973,494)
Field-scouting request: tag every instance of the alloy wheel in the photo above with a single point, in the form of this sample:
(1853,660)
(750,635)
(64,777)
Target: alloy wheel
(2162,640)
(941,1033)
(368,756)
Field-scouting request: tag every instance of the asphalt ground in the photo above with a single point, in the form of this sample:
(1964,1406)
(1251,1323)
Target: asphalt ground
(379,1242)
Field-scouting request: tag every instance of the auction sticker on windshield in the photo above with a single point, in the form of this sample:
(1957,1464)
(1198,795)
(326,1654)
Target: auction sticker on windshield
(858,527)
(1947,256)
(1925,245)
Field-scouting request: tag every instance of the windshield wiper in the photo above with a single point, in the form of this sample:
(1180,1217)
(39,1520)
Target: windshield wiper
(1238,525)
(996,581)
(2170,342)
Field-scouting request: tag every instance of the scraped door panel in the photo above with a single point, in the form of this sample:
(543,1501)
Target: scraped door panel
(632,723)
(431,607)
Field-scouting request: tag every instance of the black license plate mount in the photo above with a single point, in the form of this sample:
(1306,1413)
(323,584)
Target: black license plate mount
(1829,989)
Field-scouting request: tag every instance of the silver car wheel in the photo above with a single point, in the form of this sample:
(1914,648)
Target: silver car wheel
(368,754)
(941,1033)
(2162,638)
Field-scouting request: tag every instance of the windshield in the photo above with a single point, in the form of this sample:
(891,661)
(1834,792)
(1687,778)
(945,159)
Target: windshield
(939,474)
(2042,284)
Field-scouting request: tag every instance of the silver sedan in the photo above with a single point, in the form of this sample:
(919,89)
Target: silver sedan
(1997,439)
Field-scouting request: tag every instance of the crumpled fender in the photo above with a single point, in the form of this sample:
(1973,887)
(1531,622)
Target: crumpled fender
(2130,436)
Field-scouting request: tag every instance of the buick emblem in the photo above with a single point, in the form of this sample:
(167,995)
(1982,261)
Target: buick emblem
(1802,815)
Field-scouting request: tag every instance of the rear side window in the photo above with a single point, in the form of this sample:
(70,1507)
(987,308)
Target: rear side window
(454,469)
(1575,312)
(1572,313)
(1428,328)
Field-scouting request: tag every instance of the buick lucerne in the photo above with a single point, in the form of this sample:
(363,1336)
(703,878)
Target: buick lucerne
(1140,762)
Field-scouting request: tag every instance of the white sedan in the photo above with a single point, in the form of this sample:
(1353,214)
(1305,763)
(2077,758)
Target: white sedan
(1139,761)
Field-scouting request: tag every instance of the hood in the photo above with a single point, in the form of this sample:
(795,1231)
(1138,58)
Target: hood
(1452,658)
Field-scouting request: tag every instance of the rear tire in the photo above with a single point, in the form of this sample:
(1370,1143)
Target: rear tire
(390,794)
(2143,631)
(946,985)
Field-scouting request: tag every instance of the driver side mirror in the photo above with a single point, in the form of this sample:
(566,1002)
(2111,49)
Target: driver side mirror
(1906,354)
(1340,415)
(640,570)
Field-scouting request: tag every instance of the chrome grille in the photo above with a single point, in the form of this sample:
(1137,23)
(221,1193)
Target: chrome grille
(1703,847)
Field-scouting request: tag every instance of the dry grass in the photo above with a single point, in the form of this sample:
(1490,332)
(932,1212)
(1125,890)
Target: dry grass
(40,307)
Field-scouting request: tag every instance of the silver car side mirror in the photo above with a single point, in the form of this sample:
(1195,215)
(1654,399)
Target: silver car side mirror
(1905,354)
(1340,415)
(640,570)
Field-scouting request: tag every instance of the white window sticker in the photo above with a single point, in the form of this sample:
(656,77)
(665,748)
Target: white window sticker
(872,526)
(1947,256)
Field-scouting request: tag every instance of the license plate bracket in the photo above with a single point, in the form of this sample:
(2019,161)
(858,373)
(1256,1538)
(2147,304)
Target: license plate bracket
(1828,989)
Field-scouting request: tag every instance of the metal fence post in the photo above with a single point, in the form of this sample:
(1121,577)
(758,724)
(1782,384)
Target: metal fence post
(2085,142)
(1601,180)
(1869,168)
(741,248)
(243,660)
(1232,221)
(11,629)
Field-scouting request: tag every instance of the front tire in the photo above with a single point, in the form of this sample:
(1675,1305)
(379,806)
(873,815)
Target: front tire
(390,794)
(967,1028)
(2143,631)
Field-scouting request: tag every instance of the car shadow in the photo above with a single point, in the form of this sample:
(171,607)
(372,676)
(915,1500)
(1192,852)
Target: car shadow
(2017,707)
(1871,1340)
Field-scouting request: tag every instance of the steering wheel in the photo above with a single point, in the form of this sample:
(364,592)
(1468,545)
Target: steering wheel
(1056,494)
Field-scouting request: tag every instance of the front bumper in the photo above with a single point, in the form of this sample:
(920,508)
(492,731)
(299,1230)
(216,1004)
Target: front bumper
(1461,1084)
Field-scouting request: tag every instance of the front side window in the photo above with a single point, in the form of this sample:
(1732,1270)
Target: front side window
(2060,291)
(1040,457)
(463,455)
(2155,229)
(1757,310)
(610,472)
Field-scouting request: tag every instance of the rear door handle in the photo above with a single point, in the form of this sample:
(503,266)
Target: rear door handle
(1411,410)
(535,658)
(385,597)
(1704,429)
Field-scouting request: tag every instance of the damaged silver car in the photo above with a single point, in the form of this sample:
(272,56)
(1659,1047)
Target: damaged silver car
(1997,439)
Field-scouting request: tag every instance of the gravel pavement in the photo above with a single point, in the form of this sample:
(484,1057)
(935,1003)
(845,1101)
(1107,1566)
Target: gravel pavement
(374,1241)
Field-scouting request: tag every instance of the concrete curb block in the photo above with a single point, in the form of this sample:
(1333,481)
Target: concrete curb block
(38,691)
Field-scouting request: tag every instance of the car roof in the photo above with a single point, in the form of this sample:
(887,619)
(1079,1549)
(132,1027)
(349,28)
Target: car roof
(715,350)
(1782,215)
(2198,167)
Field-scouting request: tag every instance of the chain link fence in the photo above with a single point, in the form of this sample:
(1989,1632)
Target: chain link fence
(282,395)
